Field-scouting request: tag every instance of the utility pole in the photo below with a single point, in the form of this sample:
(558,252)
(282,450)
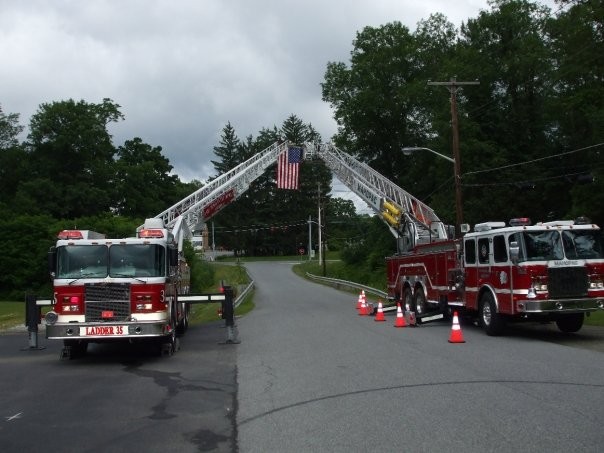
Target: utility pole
(453,86)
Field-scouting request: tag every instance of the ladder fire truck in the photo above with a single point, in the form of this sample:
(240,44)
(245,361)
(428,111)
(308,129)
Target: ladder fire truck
(551,271)
(136,289)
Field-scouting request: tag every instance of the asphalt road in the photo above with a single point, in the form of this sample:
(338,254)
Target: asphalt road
(310,375)
(119,398)
(315,376)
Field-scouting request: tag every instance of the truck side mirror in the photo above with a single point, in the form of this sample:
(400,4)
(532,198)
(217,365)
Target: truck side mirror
(173,256)
(514,252)
(52,261)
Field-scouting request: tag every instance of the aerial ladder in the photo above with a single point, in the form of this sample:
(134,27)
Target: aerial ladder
(410,220)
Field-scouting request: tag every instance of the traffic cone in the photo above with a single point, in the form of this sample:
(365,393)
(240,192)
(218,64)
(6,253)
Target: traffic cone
(363,309)
(359,301)
(379,316)
(456,335)
(400,319)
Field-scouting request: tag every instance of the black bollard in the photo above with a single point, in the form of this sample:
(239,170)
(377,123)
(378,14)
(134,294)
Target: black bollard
(32,319)
(228,313)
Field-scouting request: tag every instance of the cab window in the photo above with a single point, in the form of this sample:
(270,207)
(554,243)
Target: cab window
(483,250)
(470,251)
(500,251)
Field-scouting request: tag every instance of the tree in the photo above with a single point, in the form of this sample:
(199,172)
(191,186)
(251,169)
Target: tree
(229,150)
(70,146)
(9,130)
(14,162)
(142,177)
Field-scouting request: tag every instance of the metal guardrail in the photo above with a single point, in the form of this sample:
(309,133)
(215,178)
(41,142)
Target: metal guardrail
(241,297)
(337,283)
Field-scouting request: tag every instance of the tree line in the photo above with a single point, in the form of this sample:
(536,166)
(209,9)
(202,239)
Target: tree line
(531,132)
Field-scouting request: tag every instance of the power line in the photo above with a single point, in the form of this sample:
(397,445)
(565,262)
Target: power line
(532,161)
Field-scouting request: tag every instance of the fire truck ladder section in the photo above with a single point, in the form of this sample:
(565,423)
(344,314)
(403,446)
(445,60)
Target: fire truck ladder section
(411,221)
(182,217)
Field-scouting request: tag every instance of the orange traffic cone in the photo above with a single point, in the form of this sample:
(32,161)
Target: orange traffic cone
(359,301)
(363,309)
(456,335)
(379,316)
(400,319)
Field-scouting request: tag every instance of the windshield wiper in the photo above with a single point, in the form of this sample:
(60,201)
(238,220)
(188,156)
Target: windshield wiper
(128,276)
(90,274)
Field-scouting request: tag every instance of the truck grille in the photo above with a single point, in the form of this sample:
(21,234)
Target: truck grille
(106,302)
(567,282)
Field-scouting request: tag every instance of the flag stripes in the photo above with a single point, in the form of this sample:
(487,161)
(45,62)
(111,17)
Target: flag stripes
(288,166)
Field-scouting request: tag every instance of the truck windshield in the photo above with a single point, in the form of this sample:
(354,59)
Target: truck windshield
(559,245)
(137,260)
(78,261)
(119,260)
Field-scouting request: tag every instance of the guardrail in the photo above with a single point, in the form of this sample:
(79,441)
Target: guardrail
(242,295)
(337,283)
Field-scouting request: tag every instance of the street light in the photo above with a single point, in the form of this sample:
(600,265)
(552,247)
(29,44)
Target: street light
(456,174)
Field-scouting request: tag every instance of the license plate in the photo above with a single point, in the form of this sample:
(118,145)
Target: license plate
(104,331)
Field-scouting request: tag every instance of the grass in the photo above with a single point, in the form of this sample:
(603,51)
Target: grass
(232,275)
(11,314)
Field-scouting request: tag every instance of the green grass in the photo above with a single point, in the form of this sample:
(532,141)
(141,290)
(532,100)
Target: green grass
(11,314)
(232,275)
(595,319)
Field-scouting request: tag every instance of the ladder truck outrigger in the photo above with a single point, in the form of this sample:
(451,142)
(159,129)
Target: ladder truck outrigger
(549,271)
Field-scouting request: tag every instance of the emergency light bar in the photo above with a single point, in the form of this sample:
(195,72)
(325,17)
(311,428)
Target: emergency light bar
(520,221)
(70,234)
(158,234)
(79,234)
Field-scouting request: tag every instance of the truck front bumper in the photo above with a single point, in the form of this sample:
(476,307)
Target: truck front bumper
(560,305)
(106,331)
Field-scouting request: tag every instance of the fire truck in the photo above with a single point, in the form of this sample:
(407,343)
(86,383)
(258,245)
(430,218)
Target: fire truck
(552,271)
(117,289)
(137,289)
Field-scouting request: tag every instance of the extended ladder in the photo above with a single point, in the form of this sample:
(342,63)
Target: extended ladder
(407,217)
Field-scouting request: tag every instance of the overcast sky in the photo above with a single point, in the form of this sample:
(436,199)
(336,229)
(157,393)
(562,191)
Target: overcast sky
(181,69)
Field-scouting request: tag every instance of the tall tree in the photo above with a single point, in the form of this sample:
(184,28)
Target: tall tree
(577,107)
(72,158)
(14,162)
(143,179)
(228,151)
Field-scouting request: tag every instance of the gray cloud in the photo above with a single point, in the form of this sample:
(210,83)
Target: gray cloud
(182,69)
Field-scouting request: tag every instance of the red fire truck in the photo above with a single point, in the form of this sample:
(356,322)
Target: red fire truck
(117,289)
(551,271)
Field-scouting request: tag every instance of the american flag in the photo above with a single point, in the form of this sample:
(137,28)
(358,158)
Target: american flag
(288,165)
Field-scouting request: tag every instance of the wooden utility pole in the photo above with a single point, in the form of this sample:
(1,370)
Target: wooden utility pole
(452,86)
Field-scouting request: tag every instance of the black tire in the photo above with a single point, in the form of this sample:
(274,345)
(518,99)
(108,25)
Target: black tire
(492,322)
(183,324)
(419,302)
(570,323)
(76,348)
(407,299)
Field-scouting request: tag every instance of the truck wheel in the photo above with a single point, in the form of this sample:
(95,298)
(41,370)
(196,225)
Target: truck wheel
(419,302)
(492,322)
(407,299)
(74,349)
(183,324)
(570,323)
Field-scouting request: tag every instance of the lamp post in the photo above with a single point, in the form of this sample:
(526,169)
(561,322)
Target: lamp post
(457,175)
(310,222)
